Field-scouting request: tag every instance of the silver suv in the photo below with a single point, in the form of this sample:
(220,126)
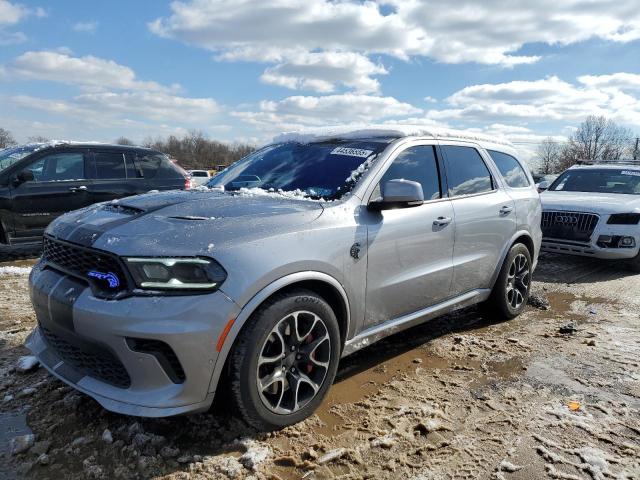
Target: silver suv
(301,253)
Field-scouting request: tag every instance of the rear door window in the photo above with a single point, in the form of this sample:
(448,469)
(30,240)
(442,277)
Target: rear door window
(510,168)
(147,165)
(110,165)
(467,174)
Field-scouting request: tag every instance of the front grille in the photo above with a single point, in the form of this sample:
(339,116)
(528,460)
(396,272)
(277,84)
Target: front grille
(574,226)
(79,261)
(93,361)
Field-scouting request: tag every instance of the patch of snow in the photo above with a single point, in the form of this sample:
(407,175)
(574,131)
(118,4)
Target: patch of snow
(210,247)
(255,454)
(352,132)
(27,363)
(15,270)
(273,193)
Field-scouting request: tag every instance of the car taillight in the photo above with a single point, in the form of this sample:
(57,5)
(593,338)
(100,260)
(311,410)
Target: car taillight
(187,184)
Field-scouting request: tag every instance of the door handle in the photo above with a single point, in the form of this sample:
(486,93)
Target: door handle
(506,210)
(81,188)
(442,221)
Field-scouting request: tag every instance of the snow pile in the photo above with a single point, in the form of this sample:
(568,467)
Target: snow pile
(273,193)
(369,131)
(15,270)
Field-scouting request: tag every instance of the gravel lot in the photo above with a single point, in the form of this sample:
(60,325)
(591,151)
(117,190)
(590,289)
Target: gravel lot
(552,394)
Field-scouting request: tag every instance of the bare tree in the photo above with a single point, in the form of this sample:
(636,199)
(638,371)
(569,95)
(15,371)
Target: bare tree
(124,141)
(37,139)
(195,150)
(6,139)
(548,153)
(596,139)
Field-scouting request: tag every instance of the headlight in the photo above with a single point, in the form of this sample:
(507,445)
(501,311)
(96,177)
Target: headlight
(624,219)
(176,273)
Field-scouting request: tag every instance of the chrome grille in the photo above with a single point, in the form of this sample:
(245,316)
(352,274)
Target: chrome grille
(576,226)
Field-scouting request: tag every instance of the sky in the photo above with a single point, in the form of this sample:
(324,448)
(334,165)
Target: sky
(245,70)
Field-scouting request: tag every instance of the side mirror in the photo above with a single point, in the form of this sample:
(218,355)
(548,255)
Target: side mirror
(24,176)
(399,193)
(542,186)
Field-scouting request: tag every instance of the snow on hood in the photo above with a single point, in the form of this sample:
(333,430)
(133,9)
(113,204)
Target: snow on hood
(603,203)
(351,132)
(183,222)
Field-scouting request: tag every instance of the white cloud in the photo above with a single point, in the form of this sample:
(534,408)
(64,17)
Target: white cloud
(489,32)
(12,13)
(102,106)
(296,112)
(621,81)
(88,71)
(323,71)
(85,27)
(538,101)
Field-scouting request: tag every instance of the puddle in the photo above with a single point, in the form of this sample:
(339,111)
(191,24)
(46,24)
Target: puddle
(355,387)
(12,424)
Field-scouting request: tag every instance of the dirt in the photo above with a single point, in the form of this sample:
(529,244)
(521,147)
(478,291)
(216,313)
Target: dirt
(458,397)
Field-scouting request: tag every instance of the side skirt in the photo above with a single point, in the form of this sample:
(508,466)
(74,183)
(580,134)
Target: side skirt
(382,330)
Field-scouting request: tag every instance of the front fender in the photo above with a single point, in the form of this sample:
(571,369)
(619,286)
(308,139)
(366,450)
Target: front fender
(257,300)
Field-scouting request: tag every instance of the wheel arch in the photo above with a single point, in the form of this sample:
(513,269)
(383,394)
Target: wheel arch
(522,237)
(321,283)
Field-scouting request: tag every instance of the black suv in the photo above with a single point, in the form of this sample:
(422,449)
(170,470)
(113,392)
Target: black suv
(41,181)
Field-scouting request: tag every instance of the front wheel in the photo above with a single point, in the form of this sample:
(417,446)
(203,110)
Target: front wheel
(511,291)
(285,360)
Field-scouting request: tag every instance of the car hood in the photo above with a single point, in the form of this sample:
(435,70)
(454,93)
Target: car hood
(182,222)
(601,203)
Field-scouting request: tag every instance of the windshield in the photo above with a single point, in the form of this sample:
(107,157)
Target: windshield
(323,170)
(11,155)
(624,180)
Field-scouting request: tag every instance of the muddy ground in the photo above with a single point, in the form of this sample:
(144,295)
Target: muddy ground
(552,394)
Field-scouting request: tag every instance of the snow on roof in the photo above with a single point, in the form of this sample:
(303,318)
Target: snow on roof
(384,131)
(630,165)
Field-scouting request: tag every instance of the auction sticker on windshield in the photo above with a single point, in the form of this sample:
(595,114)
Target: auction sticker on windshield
(351,152)
(631,172)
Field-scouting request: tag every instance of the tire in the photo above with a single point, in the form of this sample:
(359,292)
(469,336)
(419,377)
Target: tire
(512,288)
(263,382)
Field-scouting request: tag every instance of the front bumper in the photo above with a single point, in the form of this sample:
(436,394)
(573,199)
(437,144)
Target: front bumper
(592,248)
(86,342)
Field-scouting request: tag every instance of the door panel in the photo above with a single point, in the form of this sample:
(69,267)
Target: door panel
(59,186)
(409,261)
(481,233)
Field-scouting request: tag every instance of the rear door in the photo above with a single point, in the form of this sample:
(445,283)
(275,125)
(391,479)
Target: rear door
(112,177)
(60,184)
(485,216)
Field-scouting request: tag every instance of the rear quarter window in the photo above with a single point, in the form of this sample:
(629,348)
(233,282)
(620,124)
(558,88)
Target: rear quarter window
(510,169)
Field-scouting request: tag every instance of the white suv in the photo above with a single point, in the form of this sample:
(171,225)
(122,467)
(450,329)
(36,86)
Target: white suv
(594,211)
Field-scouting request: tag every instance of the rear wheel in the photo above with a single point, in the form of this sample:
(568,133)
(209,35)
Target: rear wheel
(511,291)
(285,360)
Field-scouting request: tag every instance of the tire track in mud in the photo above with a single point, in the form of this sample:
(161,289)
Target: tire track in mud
(458,397)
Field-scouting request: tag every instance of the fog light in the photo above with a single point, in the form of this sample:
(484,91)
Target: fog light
(627,242)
